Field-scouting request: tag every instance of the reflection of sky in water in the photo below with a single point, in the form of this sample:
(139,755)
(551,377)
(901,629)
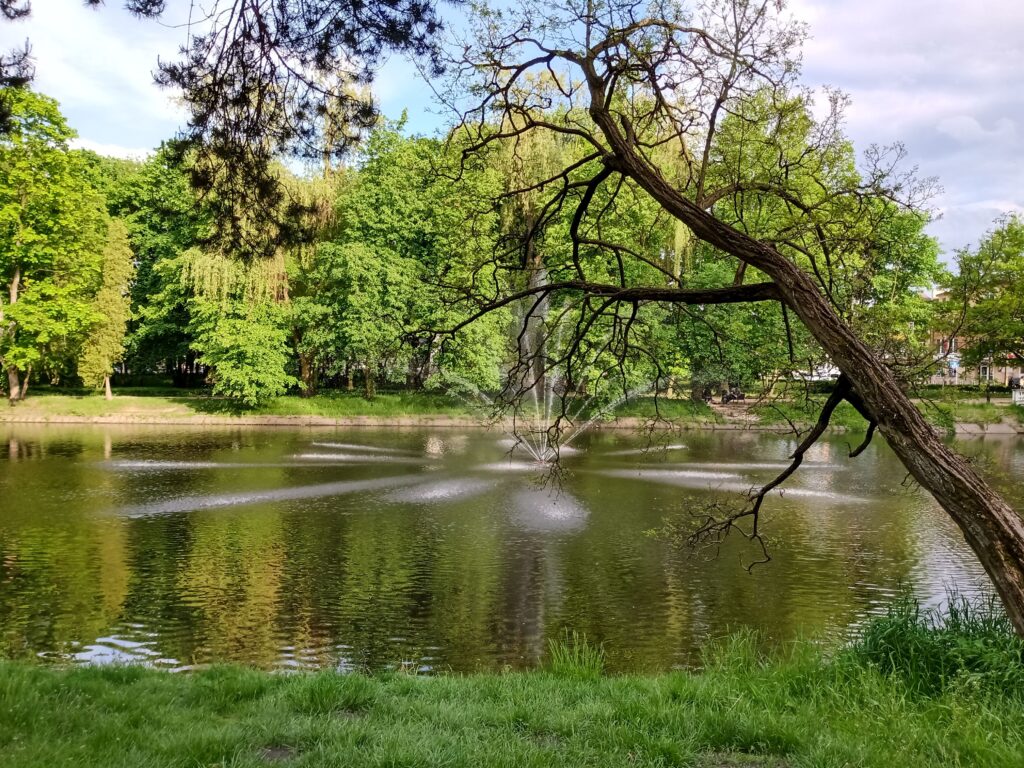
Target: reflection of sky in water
(436,549)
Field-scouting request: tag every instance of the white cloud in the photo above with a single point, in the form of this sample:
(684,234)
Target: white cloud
(967,130)
(112,150)
(943,77)
(99,65)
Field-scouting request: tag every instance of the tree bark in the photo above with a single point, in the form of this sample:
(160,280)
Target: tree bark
(993,530)
(13,385)
(107,394)
(307,375)
(13,377)
(24,383)
(369,383)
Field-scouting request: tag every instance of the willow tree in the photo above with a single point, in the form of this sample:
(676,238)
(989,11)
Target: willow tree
(634,80)
(105,345)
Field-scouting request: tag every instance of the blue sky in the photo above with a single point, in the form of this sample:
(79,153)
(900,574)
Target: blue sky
(945,77)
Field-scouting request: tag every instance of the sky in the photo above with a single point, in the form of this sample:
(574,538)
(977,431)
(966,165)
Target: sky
(944,77)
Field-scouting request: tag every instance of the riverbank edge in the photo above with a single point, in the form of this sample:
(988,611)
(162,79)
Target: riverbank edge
(630,422)
(741,711)
(444,421)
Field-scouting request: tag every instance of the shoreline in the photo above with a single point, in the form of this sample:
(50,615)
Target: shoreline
(441,421)
(462,422)
(406,412)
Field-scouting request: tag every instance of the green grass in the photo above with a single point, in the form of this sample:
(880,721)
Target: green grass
(157,403)
(969,645)
(945,412)
(574,656)
(805,411)
(949,411)
(333,405)
(50,404)
(342,404)
(912,691)
(671,409)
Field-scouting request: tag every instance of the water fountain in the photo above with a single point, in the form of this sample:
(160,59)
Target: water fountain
(539,407)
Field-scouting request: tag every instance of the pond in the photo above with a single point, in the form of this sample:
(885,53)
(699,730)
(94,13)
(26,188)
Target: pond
(434,549)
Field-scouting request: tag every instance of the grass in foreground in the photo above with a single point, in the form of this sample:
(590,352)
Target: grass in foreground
(883,702)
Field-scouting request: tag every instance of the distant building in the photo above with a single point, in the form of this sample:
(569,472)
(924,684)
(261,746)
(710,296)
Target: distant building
(949,368)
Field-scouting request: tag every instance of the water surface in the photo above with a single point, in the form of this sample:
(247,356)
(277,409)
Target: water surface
(436,549)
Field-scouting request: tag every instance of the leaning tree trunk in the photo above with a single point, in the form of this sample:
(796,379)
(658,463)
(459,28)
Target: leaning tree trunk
(993,530)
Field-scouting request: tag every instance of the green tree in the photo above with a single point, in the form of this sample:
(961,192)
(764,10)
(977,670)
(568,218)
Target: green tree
(112,306)
(404,235)
(52,226)
(986,297)
(164,221)
(697,64)
(246,345)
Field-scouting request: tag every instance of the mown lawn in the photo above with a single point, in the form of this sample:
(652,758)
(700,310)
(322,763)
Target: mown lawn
(166,404)
(334,405)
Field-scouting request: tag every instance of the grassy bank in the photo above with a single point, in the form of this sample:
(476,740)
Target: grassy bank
(944,412)
(160,405)
(143,404)
(907,694)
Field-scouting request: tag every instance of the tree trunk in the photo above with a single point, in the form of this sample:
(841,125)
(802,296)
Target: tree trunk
(993,530)
(13,384)
(350,382)
(13,380)
(307,375)
(369,383)
(24,383)
(107,394)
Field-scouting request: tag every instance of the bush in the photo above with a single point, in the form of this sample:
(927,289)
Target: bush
(972,643)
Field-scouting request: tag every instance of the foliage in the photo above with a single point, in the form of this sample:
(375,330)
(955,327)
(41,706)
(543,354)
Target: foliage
(164,221)
(971,646)
(112,306)
(245,344)
(386,268)
(986,298)
(52,226)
